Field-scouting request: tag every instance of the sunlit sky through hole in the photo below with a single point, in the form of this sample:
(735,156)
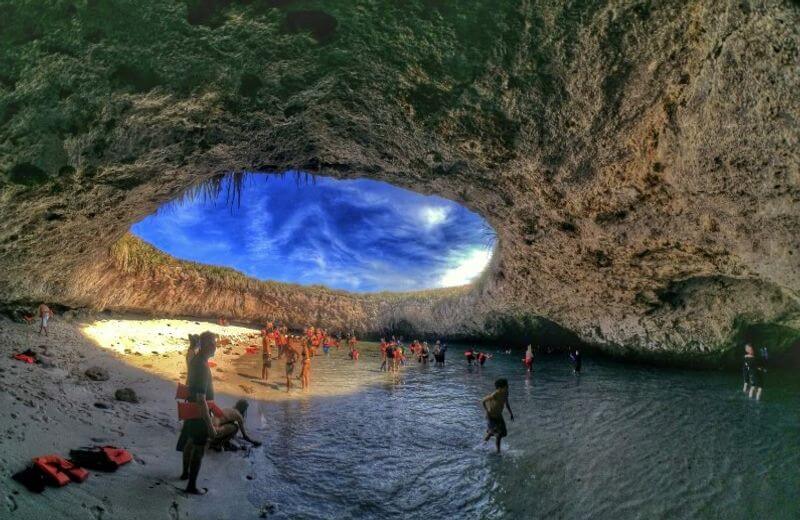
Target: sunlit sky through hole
(358,235)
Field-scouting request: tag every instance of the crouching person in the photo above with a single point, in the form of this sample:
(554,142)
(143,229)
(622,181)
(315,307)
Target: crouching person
(231,422)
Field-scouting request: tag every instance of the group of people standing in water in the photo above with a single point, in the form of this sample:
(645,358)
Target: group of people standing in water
(277,340)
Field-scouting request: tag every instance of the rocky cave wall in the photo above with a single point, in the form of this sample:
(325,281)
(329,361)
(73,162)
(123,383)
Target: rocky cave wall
(638,160)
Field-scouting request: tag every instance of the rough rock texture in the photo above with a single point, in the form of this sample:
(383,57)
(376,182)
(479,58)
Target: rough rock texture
(638,160)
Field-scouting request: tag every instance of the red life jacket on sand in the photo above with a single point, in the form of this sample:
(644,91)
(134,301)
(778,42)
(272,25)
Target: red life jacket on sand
(59,471)
(25,358)
(252,349)
(117,456)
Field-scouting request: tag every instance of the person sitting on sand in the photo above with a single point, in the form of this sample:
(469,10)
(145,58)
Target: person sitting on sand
(44,315)
(231,421)
(291,358)
(197,432)
(493,405)
(305,370)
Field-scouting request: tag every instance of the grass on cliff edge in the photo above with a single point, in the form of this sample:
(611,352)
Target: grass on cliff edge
(134,256)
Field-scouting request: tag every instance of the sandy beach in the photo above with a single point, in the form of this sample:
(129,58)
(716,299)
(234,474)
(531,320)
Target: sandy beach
(53,407)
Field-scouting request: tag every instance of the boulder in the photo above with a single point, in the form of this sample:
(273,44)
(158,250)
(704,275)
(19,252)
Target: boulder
(97,374)
(126,394)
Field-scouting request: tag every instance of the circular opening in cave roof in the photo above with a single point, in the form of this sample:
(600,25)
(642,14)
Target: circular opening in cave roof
(357,235)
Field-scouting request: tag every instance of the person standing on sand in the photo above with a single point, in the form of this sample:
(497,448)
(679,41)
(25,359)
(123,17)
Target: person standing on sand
(305,370)
(267,342)
(198,432)
(291,357)
(493,405)
(44,315)
(191,352)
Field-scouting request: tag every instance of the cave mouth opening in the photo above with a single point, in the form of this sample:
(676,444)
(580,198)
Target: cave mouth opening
(357,235)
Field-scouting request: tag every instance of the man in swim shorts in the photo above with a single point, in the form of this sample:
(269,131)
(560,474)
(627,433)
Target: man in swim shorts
(197,432)
(44,314)
(493,405)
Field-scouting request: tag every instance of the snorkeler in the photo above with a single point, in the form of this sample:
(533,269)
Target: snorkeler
(753,373)
(493,404)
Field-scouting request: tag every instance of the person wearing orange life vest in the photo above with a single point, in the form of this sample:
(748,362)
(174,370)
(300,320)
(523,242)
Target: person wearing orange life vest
(384,347)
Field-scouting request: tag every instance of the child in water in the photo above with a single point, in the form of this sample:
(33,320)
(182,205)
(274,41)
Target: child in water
(493,404)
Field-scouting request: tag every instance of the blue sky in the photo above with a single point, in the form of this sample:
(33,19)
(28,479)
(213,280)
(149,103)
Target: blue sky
(358,235)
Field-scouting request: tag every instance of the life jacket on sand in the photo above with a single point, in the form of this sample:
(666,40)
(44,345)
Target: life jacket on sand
(117,456)
(103,458)
(59,471)
(25,358)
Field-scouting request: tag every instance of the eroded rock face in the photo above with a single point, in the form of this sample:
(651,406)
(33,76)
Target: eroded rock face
(639,161)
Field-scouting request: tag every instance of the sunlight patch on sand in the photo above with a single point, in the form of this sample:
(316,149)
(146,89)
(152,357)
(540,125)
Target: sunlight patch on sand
(156,337)
(157,346)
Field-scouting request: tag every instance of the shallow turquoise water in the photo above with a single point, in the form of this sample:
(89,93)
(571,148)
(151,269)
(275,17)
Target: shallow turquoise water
(618,441)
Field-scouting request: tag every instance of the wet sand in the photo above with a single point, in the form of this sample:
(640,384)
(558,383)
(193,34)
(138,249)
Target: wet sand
(50,410)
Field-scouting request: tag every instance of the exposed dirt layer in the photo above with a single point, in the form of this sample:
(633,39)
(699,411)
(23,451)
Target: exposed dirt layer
(639,161)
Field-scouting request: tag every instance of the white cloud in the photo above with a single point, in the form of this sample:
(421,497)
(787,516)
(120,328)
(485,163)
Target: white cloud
(433,216)
(466,266)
